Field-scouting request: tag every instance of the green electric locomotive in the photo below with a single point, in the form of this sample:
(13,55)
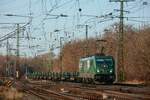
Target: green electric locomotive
(99,68)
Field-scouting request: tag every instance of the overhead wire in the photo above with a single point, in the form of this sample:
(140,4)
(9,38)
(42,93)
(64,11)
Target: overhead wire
(29,29)
(55,4)
(135,5)
(140,21)
(9,35)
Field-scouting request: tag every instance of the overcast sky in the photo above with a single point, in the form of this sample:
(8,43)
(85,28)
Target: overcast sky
(46,20)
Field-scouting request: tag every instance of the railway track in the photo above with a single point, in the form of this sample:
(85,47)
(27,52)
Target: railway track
(48,94)
(77,91)
(118,91)
(45,94)
(110,94)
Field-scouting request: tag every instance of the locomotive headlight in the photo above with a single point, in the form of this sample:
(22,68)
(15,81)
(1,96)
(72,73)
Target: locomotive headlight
(111,71)
(97,70)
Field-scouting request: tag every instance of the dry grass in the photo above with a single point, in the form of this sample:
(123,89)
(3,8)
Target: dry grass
(134,82)
(10,94)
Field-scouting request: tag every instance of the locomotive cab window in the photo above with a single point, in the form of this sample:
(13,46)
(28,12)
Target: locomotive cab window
(101,63)
(104,62)
(109,62)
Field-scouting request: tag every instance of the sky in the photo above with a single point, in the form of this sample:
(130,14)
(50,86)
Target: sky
(53,20)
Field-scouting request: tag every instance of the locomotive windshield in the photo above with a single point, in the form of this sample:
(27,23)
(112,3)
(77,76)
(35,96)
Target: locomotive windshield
(104,62)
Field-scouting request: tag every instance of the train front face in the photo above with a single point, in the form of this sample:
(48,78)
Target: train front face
(105,69)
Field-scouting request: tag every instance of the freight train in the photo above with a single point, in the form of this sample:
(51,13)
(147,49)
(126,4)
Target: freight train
(94,68)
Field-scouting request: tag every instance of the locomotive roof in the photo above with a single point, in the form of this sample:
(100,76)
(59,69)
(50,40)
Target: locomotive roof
(95,55)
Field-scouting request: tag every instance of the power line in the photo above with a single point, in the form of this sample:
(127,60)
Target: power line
(9,35)
(140,21)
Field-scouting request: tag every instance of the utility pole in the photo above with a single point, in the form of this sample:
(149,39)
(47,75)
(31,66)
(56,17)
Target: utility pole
(26,73)
(86,34)
(17,52)
(61,56)
(121,43)
(7,59)
(86,38)
(50,59)
(120,47)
